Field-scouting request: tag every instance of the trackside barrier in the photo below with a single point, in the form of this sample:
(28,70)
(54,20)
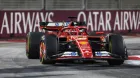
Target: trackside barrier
(19,23)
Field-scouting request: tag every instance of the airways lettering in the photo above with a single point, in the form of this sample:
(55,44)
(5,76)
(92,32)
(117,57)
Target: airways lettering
(23,22)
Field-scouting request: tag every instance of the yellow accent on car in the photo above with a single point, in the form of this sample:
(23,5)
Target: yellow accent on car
(83,42)
(110,46)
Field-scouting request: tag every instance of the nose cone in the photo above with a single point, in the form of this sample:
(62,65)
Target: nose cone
(84,46)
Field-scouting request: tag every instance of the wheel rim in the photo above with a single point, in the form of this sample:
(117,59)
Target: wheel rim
(42,49)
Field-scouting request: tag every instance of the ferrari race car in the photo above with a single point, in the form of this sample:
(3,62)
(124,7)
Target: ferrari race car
(71,41)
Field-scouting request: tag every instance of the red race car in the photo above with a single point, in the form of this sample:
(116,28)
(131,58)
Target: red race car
(70,41)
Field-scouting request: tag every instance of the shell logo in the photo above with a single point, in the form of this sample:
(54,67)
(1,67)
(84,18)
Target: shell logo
(83,42)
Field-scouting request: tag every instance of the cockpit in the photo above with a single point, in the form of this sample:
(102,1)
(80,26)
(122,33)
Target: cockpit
(74,31)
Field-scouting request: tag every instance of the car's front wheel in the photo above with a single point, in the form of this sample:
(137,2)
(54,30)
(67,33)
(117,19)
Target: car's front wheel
(118,49)
(48,48)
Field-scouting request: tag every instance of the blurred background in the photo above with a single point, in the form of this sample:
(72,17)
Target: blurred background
(18,17)
(69,4)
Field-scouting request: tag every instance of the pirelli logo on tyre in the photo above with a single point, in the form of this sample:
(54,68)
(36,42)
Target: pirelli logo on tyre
(43,37)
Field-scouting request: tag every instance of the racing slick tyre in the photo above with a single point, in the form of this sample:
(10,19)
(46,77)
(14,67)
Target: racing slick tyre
(118,49)
(115,62)
(32,44)
(48,48)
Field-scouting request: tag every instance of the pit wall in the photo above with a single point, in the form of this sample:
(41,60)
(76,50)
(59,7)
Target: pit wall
(19,23)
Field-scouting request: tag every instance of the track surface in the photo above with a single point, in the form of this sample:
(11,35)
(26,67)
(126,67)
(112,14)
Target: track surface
(14,64)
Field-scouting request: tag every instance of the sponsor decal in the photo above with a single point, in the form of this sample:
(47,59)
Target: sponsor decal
(83,42)
(61,24)
(57,24)
(70,54)
(22,22)
(43,37)
(111,20)
(102,53)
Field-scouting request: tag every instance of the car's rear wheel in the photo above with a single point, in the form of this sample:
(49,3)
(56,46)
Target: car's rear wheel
(118,49)
(48,48)
(32,44)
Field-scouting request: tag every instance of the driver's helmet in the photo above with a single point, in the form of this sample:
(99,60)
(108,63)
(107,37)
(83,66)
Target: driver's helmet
(72,31)
(82,32)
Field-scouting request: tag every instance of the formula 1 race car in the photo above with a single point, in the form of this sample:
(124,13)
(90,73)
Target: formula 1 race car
(71,41)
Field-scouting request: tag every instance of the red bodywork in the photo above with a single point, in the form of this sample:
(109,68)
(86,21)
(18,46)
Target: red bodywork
(73,33)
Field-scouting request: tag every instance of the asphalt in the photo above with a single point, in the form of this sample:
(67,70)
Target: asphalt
(14,64)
